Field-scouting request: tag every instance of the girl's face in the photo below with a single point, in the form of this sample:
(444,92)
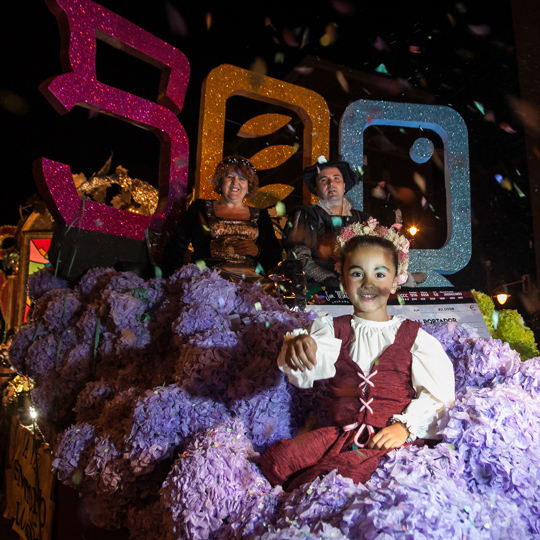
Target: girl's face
(369,277)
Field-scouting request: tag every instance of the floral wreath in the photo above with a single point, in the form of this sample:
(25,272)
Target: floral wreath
(371,227)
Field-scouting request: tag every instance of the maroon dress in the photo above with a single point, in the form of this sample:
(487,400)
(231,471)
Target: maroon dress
(360,405)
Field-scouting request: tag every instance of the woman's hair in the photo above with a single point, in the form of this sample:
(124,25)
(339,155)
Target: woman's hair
(242,167)
(368,241)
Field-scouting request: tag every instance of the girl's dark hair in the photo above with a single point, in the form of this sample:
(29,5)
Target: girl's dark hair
(242,167)
(368,241)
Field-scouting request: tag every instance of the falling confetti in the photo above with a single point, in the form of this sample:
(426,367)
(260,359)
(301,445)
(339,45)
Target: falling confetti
(507,184)
(479,106)
(304,70)
(420,181)
(344,7)
(506,127)
(208,20)
(479,29)
(519,192)
(288,38)
(380,45)
(381,68)
(259,66)
(342,81)
(177,24)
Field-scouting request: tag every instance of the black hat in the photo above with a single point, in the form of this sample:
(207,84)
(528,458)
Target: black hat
(350,177)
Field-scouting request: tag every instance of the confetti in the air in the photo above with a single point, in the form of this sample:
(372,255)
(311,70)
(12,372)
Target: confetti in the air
(506,127)
(380,45)
(259,66)
(344,7)
(342,81)
(177,24)
(479,106)
(381,68)
(519,192)
(288,38)
(281,210)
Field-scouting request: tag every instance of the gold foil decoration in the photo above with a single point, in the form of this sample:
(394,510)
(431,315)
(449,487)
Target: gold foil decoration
(264,124)
(226,81)
(132,194)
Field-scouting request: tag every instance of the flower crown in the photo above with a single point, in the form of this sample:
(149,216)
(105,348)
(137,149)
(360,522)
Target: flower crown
(371,227)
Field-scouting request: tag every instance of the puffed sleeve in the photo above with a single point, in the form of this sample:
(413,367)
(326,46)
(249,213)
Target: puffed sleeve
(328,347)
(433,380)
(270,250)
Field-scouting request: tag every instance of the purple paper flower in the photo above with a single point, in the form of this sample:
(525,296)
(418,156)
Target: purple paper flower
(57,308)
(214,483)
(22,340)
(162,419)
(42,281)
(91,399)
(94,281)
(266,413)
(70,450)
(497,431)
(528,377)
(321,500)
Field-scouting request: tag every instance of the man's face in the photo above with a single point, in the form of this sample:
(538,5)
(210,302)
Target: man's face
(330,185)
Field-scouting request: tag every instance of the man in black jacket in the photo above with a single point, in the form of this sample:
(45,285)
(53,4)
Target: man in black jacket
(311,230)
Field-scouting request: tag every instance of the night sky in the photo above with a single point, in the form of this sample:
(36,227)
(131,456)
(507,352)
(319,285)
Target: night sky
(459,54)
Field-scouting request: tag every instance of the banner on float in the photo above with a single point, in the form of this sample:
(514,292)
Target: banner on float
(427,306)
(29,485)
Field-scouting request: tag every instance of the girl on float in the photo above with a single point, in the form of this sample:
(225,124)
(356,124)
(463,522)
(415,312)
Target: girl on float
(390,381)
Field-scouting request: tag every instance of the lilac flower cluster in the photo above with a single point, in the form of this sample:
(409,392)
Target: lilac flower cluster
(214,484)
(164,392)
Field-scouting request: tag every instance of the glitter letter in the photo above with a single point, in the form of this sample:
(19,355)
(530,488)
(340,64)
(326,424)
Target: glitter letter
(81,22)
(226,81)
(451,128)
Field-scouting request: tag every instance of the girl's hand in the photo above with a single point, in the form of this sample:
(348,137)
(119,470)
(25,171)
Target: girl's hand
(300,353)
(246,247)
(389,437)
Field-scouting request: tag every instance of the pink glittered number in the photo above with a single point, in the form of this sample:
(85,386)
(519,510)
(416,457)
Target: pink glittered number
(81,23)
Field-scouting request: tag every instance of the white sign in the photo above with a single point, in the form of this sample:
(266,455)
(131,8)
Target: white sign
(425,306)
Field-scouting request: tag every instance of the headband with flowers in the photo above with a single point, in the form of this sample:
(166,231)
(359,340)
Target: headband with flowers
(371,227)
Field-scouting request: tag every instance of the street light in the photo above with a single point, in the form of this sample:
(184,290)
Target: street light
(501,292)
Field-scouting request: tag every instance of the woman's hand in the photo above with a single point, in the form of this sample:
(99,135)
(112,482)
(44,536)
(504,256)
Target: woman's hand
(389,437)
(246,247)
(300,352)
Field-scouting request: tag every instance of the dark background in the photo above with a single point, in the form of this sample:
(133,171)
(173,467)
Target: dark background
(459,54)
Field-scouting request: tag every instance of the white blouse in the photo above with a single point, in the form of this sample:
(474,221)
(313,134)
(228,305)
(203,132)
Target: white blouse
(432,371)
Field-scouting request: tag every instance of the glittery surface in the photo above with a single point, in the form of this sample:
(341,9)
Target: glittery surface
(451,128)
(264,124)
(272,156)
(134,194)
(226,81)
(421,150)
(269,195)
(81,23)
